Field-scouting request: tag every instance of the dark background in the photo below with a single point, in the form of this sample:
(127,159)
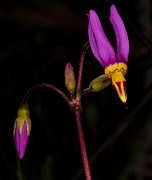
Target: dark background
(37,39)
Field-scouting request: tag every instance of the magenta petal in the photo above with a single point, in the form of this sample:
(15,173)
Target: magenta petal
(93,44)
(99,43)
(21,140)
(121,35)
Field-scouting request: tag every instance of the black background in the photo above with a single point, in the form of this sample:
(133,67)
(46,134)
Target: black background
(37,39)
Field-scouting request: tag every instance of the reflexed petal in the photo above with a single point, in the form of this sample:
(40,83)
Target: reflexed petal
(121,35)
(21,140)
(93,44)
(99,43)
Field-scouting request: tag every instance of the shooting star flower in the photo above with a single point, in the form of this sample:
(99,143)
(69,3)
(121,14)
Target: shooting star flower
(114,63)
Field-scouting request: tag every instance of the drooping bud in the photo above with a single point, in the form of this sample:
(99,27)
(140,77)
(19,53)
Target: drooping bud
(70,82)
(99,83)
(22,127)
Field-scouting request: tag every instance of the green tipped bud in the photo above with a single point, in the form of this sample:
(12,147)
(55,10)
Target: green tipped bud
(70,82)
(99,83)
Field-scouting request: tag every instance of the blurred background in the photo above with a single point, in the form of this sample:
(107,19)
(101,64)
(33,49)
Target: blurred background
(37,39)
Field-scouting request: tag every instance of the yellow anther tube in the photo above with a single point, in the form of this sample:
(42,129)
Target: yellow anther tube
(116,72)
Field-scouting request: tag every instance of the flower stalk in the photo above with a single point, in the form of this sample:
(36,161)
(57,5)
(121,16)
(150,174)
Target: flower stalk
(77,110)
(86,166)
(81,63)
(43,85)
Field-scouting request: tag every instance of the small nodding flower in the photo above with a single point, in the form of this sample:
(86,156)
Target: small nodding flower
(70,82)
(22,127)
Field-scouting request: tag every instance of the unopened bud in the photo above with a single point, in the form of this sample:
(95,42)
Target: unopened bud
(99,83)
(22,127)
(70,82)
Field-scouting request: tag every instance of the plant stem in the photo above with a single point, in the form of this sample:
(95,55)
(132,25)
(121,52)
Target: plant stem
(44,85)
(81,63)
(76,107)
(86,166)
(19,171)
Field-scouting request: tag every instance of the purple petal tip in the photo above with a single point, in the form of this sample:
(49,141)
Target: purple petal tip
(121,35)
(100,45)
(21,140)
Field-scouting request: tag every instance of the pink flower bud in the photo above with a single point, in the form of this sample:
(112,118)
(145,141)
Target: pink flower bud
(22,129)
